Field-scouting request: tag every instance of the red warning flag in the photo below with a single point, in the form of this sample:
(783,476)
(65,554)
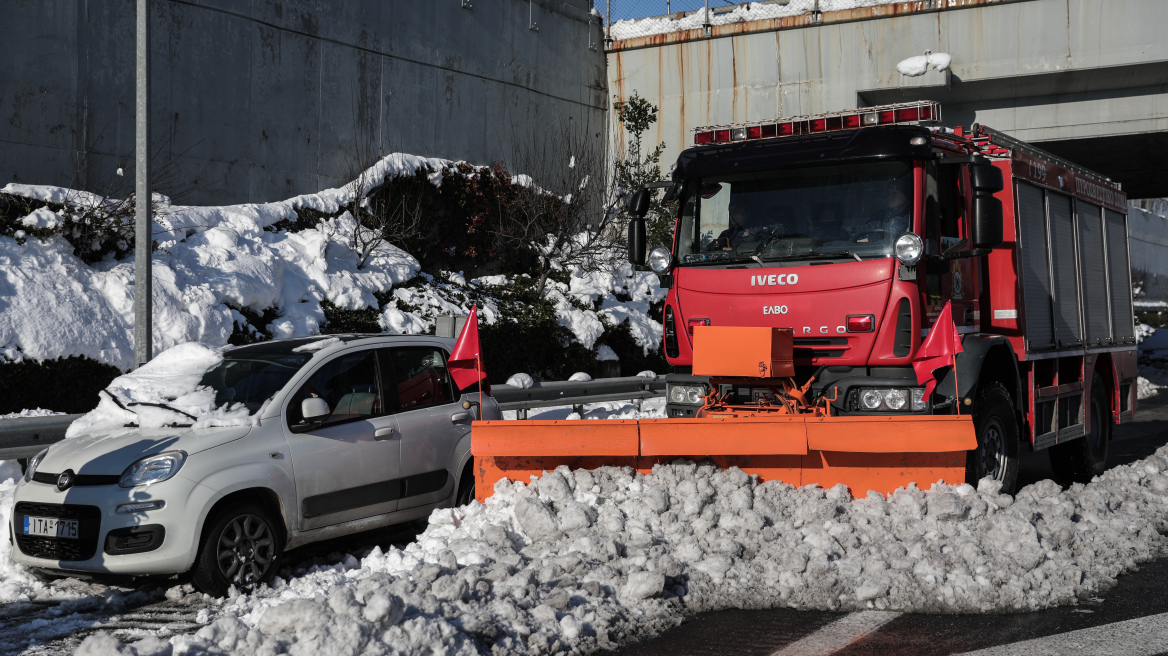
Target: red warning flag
(938,350)
(466,360)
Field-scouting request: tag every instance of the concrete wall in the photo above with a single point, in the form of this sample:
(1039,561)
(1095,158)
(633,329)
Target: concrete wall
(1087,79)
(257,100)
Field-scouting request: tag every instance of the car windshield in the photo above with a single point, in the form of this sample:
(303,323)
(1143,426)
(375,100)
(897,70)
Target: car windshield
(251,380)
(849,211)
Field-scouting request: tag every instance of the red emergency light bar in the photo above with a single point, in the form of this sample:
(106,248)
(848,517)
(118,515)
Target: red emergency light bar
(924,111)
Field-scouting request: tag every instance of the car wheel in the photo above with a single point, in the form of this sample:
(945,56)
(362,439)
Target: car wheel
(240,549)
(1080,460)
(996,426)
(466,486)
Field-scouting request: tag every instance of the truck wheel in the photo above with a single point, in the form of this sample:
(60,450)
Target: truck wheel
(241,549)
(996,426)
(1082,459)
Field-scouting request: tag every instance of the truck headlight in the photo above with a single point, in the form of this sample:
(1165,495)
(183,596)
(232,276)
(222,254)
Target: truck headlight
(660,260)
(894,399)
(153,469)
(32,465)
(909,248)
(687,394)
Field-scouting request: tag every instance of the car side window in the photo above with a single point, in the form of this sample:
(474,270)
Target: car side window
(421,376)
(348,384)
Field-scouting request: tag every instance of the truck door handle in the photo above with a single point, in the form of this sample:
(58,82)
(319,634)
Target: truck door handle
(459,416)
(384,433)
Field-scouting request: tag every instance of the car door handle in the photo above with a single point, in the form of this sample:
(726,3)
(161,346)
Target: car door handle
(384,433)
(459,416)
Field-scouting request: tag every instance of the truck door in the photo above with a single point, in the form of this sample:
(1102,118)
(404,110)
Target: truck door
(947,229)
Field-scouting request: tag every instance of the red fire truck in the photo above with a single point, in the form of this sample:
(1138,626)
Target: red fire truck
(856,228)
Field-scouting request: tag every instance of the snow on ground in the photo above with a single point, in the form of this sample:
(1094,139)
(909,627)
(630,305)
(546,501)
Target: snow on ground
(747,11)
(209,257)
(579,561)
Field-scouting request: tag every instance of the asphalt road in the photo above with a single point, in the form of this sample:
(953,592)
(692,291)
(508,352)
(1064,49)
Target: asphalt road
(1130,619)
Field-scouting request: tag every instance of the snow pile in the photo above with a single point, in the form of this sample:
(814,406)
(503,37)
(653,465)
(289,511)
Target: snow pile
(579,560)
(919,65)
(34,412)
(747,11)
(172,378)
(212,259)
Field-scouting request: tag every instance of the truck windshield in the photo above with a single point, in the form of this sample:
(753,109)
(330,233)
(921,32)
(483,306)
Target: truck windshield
(846,211)
(253,380)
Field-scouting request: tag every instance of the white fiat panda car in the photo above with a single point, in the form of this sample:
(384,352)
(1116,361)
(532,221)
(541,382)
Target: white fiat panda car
(362,432)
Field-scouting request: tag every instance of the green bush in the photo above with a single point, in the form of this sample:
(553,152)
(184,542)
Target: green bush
(69,385)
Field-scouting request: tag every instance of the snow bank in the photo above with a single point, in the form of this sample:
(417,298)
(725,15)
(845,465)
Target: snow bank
(211,257)
(34,412)
(579,561)
(747,11)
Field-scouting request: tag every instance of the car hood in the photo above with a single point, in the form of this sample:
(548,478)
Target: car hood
(110,452)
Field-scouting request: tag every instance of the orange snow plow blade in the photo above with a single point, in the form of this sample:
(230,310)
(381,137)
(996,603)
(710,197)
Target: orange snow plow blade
(780,433)
(863,453)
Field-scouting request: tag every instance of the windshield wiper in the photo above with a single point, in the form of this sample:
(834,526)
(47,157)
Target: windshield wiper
(166,407)
(816,256)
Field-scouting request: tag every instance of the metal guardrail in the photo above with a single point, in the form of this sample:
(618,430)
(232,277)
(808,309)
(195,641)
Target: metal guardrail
(24,437)
(576,394)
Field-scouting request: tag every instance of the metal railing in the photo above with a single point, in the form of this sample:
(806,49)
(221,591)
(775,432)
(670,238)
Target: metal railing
(24,437)
(576,394)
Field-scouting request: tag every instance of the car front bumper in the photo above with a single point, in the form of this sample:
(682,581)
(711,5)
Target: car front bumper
(95,507)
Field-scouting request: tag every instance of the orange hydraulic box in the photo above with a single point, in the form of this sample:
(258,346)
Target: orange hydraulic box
(755,352)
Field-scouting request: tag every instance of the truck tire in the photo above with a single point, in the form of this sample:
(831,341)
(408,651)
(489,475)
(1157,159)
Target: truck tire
(1080,460)
(996,426)
(241,548)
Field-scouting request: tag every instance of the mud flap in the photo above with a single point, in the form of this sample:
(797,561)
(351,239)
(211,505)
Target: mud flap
(863,453)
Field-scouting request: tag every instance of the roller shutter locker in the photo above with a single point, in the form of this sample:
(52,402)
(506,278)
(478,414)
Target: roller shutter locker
(1119,277)
(1035,266)
(1096,310)
(1068,329)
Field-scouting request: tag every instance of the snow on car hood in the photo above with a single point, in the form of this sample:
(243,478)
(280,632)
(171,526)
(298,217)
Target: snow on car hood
(110,452)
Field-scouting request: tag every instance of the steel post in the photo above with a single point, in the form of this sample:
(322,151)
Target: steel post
(143,239)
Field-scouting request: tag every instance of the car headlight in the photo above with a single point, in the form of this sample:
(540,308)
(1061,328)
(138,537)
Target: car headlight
(889,399)
(909,248)
(32,465)
(687,394)
(153,469)
(660,260)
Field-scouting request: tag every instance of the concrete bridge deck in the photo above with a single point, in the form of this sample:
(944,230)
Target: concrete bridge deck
(1085,79)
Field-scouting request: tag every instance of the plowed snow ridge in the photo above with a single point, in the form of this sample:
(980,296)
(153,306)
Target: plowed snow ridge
(581,561)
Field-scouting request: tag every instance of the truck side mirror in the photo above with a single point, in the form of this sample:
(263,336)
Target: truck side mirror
(986,180)
(637,239)
(638,205)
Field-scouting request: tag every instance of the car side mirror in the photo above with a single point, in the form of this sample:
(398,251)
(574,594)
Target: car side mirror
(314,409)
(986,179)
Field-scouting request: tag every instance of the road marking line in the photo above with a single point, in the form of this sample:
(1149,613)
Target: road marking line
(1143,636)
(845,631)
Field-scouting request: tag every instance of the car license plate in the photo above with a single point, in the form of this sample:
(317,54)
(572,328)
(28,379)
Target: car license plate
(51,527)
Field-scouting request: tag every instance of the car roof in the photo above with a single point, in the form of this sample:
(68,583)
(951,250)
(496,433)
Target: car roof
(289,346)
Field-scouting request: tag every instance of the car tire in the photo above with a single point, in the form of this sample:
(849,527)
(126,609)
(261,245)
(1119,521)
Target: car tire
(996,426)
(466,486)
(1082,459)
(240,548)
